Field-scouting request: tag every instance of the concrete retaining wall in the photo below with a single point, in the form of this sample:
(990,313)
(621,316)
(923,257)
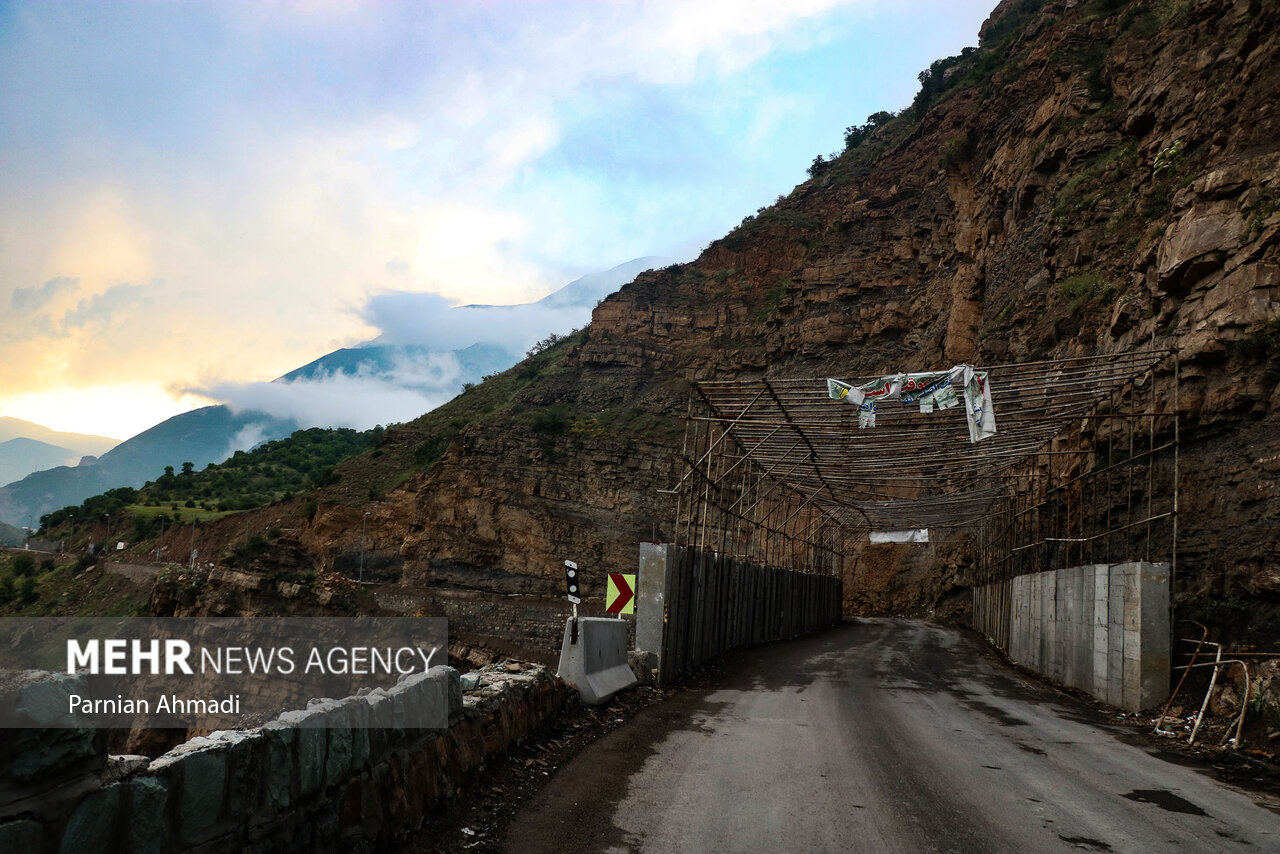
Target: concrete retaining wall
(693,605)
(288,786)
(1101,628)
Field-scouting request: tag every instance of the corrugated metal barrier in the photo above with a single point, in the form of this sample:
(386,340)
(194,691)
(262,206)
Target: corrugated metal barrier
(714,603)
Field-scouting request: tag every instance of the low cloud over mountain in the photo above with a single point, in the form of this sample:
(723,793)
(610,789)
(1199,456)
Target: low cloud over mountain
(425,351)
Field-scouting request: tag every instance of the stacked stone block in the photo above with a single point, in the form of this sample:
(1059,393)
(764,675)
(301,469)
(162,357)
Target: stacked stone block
(345,775)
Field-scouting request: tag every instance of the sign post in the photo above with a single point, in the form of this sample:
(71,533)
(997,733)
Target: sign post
(573,588)
(620,597)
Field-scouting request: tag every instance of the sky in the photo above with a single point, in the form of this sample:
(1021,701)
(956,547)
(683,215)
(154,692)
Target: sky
(202,196)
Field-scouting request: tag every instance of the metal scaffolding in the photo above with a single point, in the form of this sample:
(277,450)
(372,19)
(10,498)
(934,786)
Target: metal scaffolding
(1082,468)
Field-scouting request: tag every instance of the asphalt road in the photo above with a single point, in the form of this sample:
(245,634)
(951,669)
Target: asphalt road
(884,735)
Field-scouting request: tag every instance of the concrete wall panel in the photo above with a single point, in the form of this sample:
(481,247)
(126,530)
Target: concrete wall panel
(1101,628)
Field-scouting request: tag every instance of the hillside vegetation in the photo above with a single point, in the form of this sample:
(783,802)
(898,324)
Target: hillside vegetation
(272,472)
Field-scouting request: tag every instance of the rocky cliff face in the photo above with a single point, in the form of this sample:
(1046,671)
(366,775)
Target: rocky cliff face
(1100,175)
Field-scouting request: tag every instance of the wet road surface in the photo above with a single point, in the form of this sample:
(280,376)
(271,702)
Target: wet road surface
(884,735)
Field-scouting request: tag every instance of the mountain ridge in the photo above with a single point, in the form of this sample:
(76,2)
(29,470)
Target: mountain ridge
(21,456)
(85,443)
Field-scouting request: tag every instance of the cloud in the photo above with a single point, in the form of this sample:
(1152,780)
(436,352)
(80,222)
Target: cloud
(102,308)
(727,34)
(413,365)
(428,320)
(410,387)
(247,438)
(36,298)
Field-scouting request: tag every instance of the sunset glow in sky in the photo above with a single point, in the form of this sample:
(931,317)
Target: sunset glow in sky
(202,193)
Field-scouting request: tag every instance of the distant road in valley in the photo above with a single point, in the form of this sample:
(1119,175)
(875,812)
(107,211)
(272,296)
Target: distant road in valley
(884,735)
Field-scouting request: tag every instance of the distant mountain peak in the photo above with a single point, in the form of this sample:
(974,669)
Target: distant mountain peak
(589,289)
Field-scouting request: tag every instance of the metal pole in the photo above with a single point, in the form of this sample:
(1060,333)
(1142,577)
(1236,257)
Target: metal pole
(684,454)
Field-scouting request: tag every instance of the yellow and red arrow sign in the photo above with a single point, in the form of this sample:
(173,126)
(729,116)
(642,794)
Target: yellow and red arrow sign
(620,597)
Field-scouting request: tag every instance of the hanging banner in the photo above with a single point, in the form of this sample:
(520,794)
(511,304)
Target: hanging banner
(917,535)
(930,391)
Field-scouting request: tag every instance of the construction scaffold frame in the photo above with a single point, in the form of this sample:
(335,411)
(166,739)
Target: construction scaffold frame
(1083,468)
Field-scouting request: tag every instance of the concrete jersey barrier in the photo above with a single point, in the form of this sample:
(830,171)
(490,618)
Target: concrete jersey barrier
(597,664)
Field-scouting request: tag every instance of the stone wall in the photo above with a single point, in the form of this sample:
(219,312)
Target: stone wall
(1101,628)
(340,776)
(138,573)
(48,546)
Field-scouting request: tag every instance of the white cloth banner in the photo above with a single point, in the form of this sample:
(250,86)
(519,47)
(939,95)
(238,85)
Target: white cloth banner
(918,535)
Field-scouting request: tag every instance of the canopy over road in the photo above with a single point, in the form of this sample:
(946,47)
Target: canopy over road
(782,456)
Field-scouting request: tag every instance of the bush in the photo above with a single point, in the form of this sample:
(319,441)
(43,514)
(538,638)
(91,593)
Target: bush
(24,565)
(545,344)
(1259,344)
(7,591)
(1085,287)
(433,448)
(855,135)
(1106,8)
(1159,201)
(551,421)
(27,588)
(245,553)
(935,80)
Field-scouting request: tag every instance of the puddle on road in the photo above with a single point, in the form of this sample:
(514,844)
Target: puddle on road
(1166,800)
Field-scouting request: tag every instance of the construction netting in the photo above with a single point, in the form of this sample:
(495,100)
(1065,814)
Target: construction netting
(1037,463)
